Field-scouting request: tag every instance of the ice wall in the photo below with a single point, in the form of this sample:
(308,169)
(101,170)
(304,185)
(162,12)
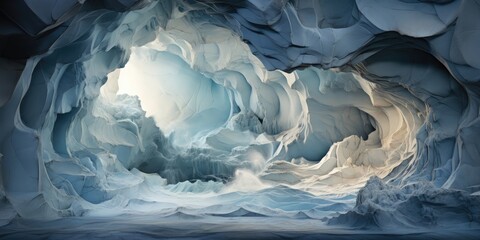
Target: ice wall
(285,35)
(301,99)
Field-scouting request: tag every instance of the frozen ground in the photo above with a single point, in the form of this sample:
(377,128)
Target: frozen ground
(185,227)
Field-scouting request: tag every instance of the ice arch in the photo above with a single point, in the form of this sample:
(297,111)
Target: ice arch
(69,150)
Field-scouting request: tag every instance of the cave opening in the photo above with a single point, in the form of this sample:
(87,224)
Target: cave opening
(198,112)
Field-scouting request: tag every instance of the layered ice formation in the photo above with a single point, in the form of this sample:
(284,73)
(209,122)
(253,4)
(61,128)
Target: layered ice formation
(359,116)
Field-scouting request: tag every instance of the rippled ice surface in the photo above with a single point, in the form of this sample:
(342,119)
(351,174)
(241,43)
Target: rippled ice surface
(206,227)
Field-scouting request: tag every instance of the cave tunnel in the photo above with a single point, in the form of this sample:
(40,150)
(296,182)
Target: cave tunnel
(216,119)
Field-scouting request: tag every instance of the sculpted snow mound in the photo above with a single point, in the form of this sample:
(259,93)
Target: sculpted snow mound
(251,108)
(414,205)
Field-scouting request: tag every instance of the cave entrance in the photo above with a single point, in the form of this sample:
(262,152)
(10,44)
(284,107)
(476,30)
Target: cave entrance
(185,104)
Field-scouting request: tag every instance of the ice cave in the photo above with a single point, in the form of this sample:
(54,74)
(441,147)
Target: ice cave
(240,119)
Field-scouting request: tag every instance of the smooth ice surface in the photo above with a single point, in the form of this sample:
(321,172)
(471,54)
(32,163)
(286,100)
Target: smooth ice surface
(297,117)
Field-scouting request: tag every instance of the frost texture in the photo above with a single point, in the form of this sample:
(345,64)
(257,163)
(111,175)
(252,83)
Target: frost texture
(413,205)
(256,108)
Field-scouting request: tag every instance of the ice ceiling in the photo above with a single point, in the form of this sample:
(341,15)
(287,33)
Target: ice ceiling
(355,114)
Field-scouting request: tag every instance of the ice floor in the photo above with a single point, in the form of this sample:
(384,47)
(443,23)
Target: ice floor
(189,227)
